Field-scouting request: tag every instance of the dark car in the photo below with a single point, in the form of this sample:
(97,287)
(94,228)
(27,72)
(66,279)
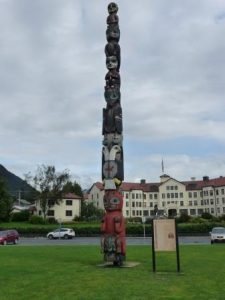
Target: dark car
(9,237)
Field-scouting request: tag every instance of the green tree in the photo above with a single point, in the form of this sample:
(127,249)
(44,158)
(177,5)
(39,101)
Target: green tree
(6,202)
(73,187)
(49,186)
(89,211)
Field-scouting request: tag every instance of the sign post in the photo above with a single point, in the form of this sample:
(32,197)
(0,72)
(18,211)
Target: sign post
(164,238)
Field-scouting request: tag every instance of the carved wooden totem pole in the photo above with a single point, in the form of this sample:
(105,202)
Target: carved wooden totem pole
(113,225)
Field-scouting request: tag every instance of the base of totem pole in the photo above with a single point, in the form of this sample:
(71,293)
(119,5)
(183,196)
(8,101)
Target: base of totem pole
(126,264)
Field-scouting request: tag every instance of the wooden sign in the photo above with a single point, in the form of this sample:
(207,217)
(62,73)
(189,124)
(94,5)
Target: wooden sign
(164,235)
(164,238)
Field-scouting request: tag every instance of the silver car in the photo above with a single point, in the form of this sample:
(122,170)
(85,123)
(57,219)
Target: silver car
(217,234)
(65,233)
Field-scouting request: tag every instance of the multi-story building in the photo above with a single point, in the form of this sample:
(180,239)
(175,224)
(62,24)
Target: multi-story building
(168,197)
(65,211)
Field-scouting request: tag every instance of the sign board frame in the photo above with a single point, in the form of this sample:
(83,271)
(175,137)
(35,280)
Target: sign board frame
(164,238)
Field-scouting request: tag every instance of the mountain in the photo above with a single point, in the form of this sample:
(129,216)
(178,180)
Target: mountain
(16,186)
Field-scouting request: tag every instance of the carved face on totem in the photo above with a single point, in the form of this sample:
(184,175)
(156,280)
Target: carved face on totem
(112,8)
(113,32)
(112,48)
(113,200)
(111,62)
(112,95)
(112,139)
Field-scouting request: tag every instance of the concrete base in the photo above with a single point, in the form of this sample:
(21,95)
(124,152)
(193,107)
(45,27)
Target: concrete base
(126,264)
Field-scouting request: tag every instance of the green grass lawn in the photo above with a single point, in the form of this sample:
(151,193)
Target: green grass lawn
(71,272)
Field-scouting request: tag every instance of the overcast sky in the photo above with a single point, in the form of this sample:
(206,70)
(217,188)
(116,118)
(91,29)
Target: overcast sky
(52,68)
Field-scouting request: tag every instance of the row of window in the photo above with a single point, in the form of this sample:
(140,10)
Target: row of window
(211,192)
(138,204)
(52,202)
(172,195)
(51,213)
(192,212)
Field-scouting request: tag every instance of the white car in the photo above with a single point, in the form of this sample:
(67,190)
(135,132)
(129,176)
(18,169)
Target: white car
(217,234)
(65,233)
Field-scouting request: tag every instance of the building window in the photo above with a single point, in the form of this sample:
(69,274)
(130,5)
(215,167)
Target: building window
(222,191)
(218,209)
(181,203)
(181,195)
(223,200)
(183,211)
(168,195)
(212,210)
(176,195)
(195,194)
(211,193)
(195,202)
(39,212)
(144,204)
(127,196)
(133,196)
(163,196)
(69,202)
(150,196)
(190,203)
(51,202)
(200,211)
(133,213)
(151,204)
(224,209)
(144,196)
(127,213)
(155,196)
(127,204)
(50,213)
(133,204)
(69,213)
(172,195)
(211,201)
(192,212)
(190,194)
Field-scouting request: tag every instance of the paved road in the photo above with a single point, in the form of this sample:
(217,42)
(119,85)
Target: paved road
(41,241)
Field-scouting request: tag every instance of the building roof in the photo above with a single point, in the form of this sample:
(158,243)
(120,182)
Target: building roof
(154,187)
(71,196)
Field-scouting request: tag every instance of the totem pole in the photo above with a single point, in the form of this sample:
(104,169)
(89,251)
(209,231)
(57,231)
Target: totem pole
(113,225)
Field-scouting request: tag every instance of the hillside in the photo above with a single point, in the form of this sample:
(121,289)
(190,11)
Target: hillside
(16,185)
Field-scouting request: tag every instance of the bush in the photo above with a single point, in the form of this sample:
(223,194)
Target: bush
(51,220)
(34,219)
(22,216)
(183,218)
(207,216)
(222,218)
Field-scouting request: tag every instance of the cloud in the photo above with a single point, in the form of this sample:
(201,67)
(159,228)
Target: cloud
(52,82)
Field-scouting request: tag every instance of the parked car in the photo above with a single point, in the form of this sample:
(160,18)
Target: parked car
(217,234)
(9,237)
(65,233)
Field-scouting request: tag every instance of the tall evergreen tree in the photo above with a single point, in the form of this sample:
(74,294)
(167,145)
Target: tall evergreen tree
(6,202)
